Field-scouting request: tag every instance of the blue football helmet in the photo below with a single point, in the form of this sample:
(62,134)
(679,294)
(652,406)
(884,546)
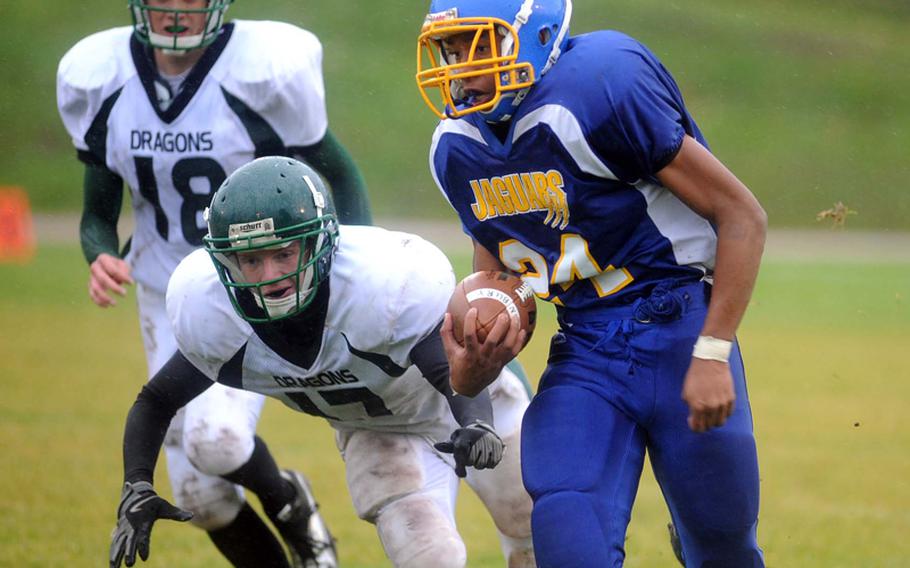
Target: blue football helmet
(526,37)
(214,18)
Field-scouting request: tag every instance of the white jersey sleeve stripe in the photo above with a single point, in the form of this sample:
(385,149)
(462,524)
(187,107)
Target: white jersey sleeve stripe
(686,230)
(566,127)
(458,127)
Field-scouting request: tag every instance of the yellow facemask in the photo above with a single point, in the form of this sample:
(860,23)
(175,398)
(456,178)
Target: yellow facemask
(435,71)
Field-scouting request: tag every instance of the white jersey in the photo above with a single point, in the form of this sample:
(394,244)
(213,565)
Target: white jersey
(388,291)
(256,91)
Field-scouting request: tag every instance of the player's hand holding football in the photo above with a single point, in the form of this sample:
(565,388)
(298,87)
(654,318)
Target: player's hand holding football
(139,508)
(708,390)
(477,445)
(476,362)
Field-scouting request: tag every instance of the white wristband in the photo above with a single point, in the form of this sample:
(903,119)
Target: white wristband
(712,348)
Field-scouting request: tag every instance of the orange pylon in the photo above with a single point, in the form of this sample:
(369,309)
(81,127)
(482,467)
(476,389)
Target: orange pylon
(17,234)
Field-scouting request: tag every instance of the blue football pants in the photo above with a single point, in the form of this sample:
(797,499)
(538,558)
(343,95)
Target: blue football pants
(611,390)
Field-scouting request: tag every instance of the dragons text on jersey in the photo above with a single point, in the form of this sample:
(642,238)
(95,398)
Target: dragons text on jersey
(256,91)
(363,376)
(171,141)
(324,379)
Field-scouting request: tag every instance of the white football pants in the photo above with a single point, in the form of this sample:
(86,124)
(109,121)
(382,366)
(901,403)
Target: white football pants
(400,483)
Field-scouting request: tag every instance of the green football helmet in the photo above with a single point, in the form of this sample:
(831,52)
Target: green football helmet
(214,18)
(269,204)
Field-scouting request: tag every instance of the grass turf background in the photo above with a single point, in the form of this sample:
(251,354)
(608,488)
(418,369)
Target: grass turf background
(808,101)
(825,349)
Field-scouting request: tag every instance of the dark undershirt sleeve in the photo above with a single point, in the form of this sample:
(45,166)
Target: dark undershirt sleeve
(177,383)
(430,357)
(101,203)
(349,191)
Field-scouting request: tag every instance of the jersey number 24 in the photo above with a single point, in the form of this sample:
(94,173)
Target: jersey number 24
(575,263)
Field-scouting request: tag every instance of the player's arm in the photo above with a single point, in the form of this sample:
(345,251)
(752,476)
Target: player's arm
(102,201)
(177,383)
(702,182)
(475,363)
(430,358)
(173,386)
(485,260)
(476,443)
(332,160)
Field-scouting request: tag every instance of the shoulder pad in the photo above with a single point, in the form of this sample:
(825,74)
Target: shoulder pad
(208,330)
(414,277)
(611,55)
(89,73)
(275,68)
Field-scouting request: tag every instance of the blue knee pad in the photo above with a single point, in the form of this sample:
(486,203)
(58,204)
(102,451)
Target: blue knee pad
(557,516)
(706,548)
(581,462)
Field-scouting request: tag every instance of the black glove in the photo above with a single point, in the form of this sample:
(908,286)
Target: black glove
(477,445)
(139,508)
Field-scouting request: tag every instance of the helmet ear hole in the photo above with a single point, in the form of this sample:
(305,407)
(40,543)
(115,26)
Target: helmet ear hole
(544,36)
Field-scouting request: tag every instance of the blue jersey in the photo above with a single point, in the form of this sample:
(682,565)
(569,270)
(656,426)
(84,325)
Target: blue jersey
(570,199)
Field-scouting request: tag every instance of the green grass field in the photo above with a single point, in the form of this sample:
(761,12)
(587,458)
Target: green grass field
(807,101)
(825,347)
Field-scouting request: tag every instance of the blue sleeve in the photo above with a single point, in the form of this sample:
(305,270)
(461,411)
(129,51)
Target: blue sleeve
(646,116)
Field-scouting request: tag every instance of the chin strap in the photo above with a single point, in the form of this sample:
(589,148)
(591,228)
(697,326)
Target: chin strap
(557,43)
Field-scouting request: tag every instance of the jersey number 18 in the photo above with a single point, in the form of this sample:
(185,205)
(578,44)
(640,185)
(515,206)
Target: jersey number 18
(193,203)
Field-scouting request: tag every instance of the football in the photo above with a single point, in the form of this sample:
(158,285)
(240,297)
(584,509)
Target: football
(492,293)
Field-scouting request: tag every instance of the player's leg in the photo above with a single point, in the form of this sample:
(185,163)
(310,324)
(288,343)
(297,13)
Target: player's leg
(157,339)
(581,462)
(582,452)
(710,480)
(220,441)
(218,506)
(400,484)
(500,489)
(219,429)
(248,541)
(288,501)
(239,533)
